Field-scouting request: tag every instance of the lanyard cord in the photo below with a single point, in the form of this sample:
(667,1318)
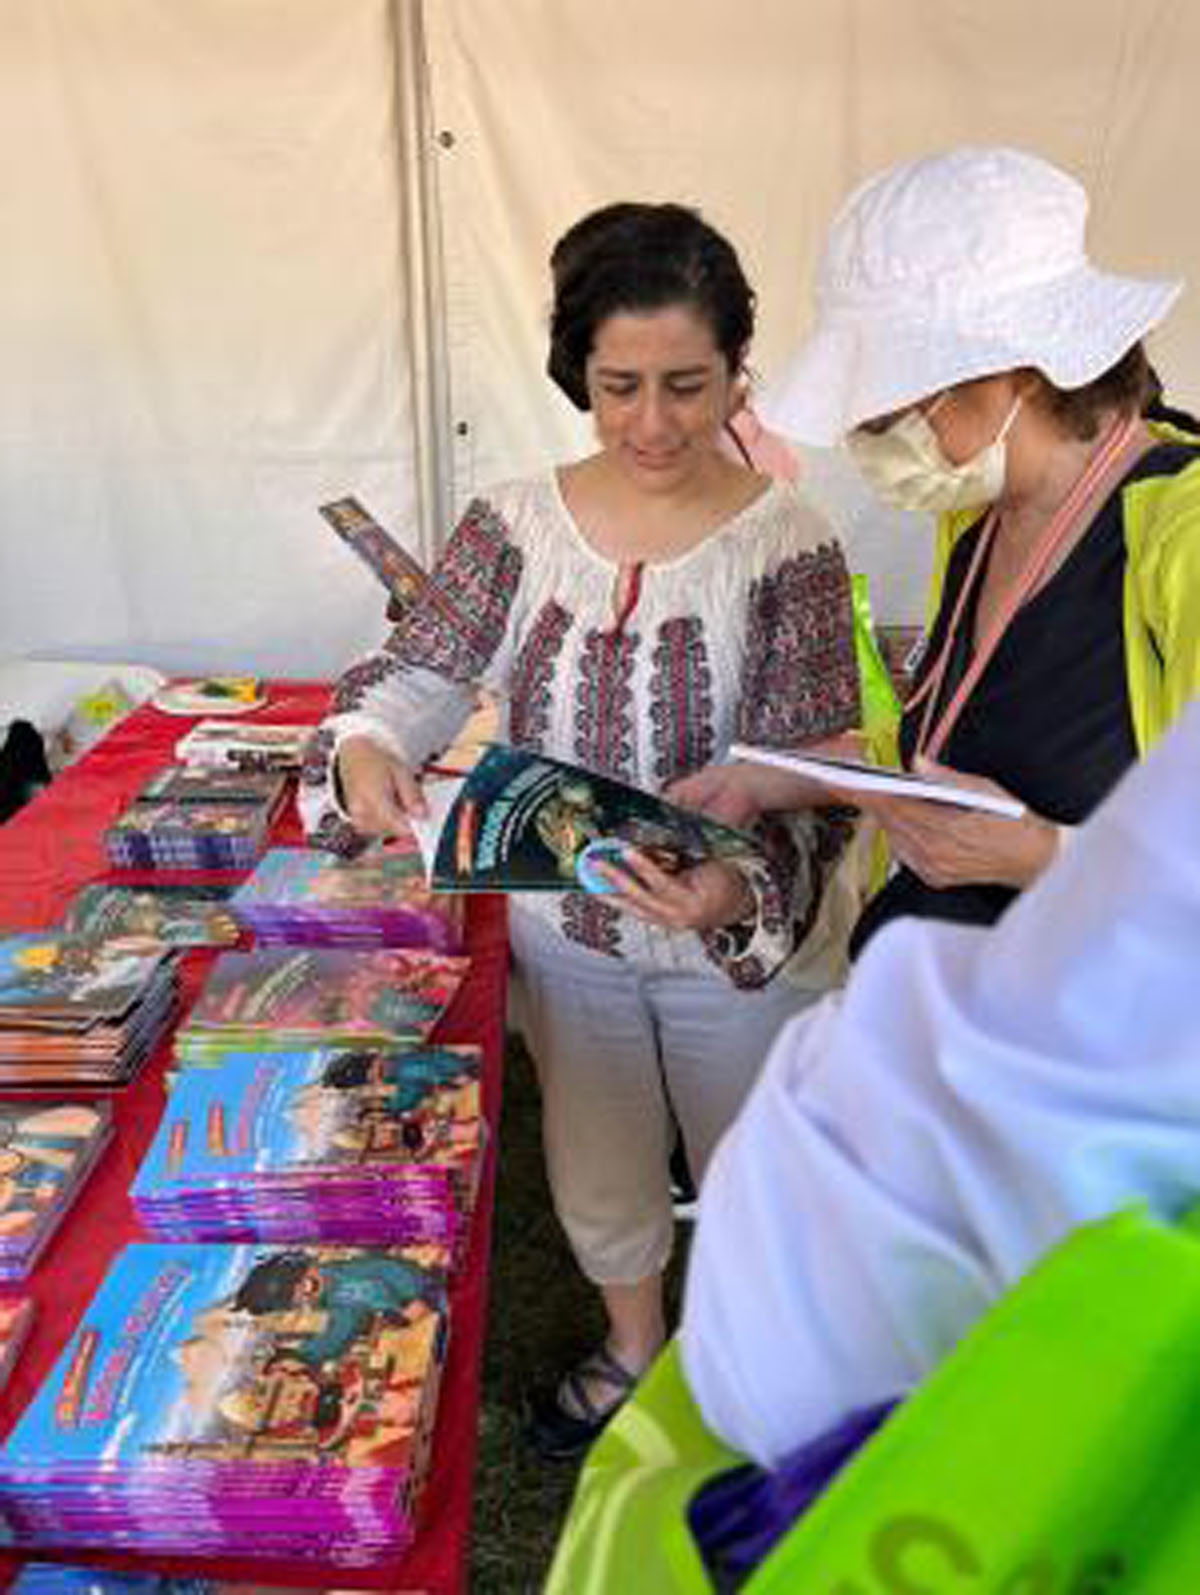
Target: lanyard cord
(932,738)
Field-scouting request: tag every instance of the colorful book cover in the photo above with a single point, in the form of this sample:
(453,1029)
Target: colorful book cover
(382,995)
(193,819)
(55,1578)
(403,576)
(170,915)
(519,822)
(328,1108)
(241,1354)
(50,974)
(186,783)
(247,747)
(45,1151)
(16,1320)
(383,888)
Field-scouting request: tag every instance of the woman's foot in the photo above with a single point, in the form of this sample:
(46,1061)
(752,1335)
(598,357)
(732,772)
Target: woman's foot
(565,1420)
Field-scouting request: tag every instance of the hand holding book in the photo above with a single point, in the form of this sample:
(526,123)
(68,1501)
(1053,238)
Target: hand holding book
(996,842)
(703,896)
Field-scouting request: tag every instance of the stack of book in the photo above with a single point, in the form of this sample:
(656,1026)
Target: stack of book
(376,1146)
(168,915)
(54,1578)
(227,744)
(74,1011)
(197,819)
(16,1320)
(285,999)
(235,1400)
(380,899)
(47,1151)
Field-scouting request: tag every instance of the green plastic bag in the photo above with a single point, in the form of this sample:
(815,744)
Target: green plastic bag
(1051,1453)
(880,711)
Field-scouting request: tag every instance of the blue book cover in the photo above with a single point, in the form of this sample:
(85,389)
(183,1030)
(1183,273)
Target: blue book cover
(326,1108)
(246,1354)
(47,971)
(51,1578)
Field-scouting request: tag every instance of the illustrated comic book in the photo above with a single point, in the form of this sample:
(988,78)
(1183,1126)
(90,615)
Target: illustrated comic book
(16,1320)
(519,822)
(195,1359)
(187,783)
(402,575)
(47,1150)
(50,976)
(177,916)
(329,995)
(230,743)
(316,1111)
(300,894)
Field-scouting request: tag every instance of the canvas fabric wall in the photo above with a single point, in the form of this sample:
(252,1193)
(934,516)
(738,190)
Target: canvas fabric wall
(262,252)
(208,291)
(764,115)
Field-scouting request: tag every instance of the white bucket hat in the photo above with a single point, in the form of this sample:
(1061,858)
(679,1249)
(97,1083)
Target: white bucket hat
(952,267)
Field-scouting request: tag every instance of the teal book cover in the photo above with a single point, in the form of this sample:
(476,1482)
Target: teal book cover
(520,821)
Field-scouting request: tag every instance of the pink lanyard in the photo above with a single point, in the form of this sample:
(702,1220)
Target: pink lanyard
(931,739)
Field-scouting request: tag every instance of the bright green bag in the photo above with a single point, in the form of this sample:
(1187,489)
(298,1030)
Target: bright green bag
(879,705)
(1051,1453)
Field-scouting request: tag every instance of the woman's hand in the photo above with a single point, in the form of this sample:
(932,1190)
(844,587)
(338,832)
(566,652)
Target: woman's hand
(738,793)
(946,846)
(701,898)
(378,791)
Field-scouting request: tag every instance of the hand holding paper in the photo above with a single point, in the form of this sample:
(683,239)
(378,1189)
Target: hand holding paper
(960,846)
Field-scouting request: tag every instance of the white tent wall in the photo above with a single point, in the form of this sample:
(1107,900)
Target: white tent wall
(221,297)
(764,114)
(204,312)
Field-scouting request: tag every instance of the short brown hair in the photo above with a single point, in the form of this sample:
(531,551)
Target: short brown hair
(1125,387)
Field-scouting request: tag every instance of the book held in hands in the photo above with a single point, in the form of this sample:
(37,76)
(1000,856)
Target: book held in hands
(856,775)
(520,821)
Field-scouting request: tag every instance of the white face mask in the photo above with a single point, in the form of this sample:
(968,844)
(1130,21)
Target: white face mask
(906,468)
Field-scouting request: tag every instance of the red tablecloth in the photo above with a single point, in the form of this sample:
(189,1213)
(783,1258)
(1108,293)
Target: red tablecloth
(46,852)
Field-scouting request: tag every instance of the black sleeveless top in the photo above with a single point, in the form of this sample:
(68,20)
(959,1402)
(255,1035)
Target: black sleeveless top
(1049,718)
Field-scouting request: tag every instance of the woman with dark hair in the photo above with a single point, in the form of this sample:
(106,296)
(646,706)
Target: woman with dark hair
(635,611)
(978,366)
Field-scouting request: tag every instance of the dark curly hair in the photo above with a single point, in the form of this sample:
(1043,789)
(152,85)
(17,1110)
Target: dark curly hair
(642,257)
(1128,386)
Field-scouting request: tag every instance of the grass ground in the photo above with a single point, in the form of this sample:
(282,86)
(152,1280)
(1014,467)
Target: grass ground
(541,1315)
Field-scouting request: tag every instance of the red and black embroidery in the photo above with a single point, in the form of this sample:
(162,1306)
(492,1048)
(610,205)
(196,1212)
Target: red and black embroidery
(787,887)
(681,700)
(355,683)
(591,923)
(801,676)
(458,623)
(533,676)
(604,730)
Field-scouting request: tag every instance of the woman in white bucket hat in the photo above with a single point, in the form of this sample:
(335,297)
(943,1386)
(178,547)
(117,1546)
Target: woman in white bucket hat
(978,366)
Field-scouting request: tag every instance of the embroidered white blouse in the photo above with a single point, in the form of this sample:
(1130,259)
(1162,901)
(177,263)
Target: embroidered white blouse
(747,635)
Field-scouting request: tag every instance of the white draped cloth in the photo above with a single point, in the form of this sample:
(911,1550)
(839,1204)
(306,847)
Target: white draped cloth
(916,1142)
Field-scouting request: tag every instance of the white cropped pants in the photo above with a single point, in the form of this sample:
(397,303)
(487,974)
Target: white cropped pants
(621,1050)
